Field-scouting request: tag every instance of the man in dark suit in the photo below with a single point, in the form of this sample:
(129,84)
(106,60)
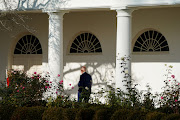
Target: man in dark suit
(84,85)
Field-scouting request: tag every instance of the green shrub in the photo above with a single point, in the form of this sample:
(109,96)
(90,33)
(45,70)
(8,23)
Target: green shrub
(121,114)
(63,102)
(165,109)
(127,114)
(69,113)
(83,105)
(6,111)
(54,113)
(85,114)
(23,89)
(137,115)
(28,113)
(36,103)
(103,114)
(173,117)
(155,116)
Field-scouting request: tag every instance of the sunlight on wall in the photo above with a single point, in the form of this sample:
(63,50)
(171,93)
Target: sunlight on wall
(143,73)
(35,68)
(102,76)
(18,67)
(152,73)
(30,71)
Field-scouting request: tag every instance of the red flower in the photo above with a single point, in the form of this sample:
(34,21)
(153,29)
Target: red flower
(173,76)
(72,87)
(70,84)
(176,100)
(46,87)
(61,82)
(17,90)
(34,72)
(8,81)
(58,75)
(161,97)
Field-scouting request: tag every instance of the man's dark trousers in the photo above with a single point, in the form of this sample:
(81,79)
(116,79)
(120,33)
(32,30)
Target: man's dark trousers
(84,84)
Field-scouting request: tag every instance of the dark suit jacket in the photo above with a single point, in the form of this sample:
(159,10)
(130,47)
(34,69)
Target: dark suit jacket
(85,81)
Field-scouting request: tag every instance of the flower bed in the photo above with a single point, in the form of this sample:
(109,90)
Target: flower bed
(22,99)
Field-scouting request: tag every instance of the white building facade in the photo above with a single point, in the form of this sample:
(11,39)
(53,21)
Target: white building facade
(97,34)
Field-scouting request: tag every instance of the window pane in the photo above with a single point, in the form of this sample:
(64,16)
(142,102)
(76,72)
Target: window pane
(28,44)
(151,41)
(85,43)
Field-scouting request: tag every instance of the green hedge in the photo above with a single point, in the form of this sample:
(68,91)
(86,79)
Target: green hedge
(173,117)
(103,114)
(165,109)
(6,111)
(128,114)
(137,115)
(70,113)
(155,116)
(85,114)
(28,113)
(121,114)
(54,113)
(90,113)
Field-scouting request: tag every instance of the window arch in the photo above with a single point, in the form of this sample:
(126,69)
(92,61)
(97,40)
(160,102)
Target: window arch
(86,43)
(28,44)
(151,41)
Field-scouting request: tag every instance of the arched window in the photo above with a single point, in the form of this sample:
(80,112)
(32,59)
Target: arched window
(151,41)
(86,43)
(28,44)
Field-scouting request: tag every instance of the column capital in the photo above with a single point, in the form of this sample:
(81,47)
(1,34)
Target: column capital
(56,14)
(123,11)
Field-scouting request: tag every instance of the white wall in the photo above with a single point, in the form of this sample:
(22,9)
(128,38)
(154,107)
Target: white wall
(100,66)
(150,67)
(38,23)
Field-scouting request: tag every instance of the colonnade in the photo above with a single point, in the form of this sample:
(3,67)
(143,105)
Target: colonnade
(123,46)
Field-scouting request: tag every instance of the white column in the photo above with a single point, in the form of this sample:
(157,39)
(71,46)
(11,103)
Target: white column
(55,46)
(123,48)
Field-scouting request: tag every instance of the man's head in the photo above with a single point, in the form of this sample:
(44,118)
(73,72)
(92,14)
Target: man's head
(83,69)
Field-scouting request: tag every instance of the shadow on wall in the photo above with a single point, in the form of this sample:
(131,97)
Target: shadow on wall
(28,63)
(41,4)
(102,75)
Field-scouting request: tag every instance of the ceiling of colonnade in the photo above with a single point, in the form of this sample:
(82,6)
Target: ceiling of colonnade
(78,4)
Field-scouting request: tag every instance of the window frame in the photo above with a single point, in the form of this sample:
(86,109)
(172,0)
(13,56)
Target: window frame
(35,40)
(91,53)
(148,52)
